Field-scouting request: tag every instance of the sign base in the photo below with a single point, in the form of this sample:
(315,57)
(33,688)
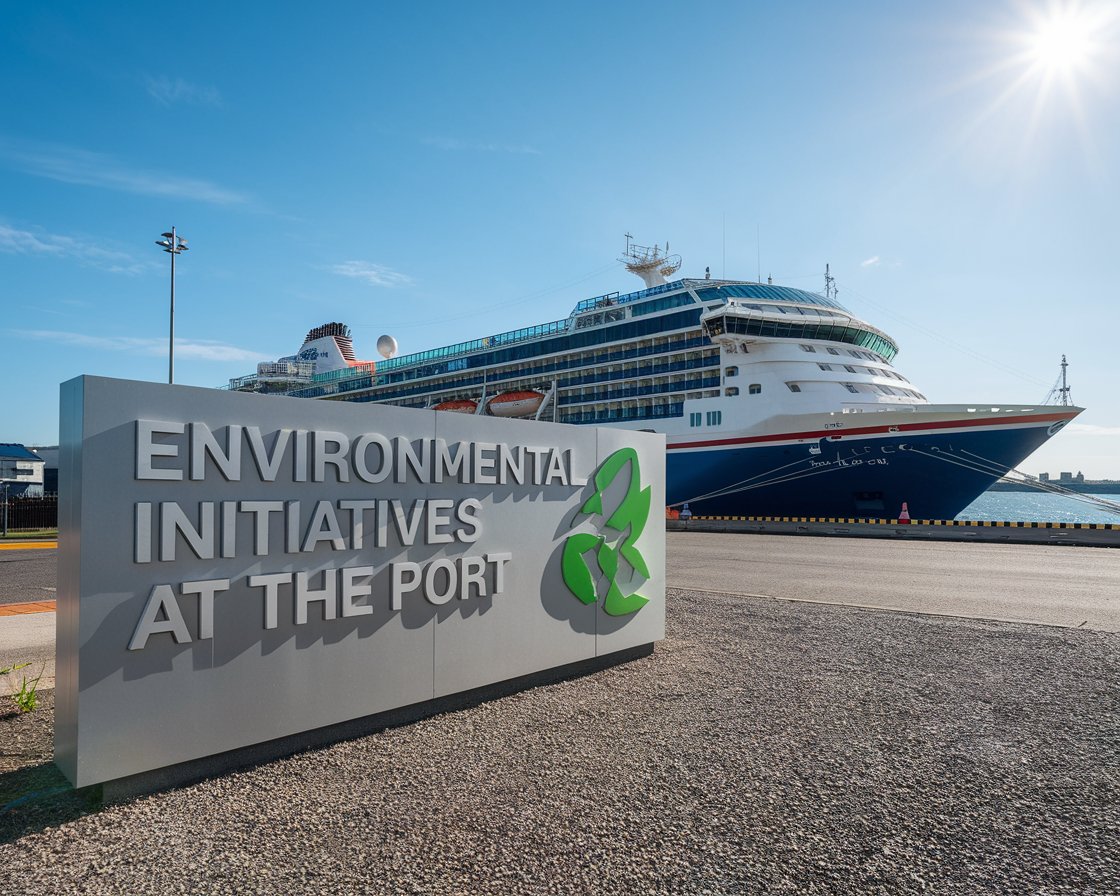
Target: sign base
(122,790)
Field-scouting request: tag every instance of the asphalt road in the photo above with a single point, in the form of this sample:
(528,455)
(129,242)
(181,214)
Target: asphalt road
(27,576)
(1049,584)
(1053,585)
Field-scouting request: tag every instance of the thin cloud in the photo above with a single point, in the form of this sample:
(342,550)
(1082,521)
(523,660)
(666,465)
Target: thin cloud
(373,274)
(1092,429)
(192,349)
(86,251)
(168,92)
(453,144)
(78,166)
(872,262)
(209,350)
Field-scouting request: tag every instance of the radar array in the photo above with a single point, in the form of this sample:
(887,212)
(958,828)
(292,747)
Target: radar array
(651,263)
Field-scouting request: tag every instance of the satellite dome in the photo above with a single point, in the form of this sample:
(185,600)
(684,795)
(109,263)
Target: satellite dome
(386,346)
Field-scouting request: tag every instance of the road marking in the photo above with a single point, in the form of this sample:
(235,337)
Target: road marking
(27,545)
(38,606)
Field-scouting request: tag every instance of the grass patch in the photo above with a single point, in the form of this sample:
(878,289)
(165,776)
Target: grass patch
(29,534)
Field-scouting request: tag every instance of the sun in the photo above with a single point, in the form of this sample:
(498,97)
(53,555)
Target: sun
(1063,42)
(1049,71)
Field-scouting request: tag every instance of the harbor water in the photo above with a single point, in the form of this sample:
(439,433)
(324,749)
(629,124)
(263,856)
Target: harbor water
(1025,507)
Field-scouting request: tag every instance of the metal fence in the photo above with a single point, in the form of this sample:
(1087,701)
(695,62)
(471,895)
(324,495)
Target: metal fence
(20,513)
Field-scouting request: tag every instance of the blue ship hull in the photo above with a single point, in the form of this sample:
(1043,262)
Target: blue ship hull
(937,474)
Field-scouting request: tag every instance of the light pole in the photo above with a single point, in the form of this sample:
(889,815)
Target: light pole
(173,244)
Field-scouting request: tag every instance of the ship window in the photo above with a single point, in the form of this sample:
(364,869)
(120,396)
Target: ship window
(824,366)
(731,371)
(833,351)
(694,419)
(662,304)
(849,368)
(850,387)
(731,391)
(715,418)
(754,388)
(807,348)
(793,387)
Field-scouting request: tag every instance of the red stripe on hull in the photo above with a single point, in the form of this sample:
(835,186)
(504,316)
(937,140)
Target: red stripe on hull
(891,429)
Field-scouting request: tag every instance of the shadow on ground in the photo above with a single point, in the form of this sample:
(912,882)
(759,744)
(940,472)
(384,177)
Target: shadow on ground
(37,797)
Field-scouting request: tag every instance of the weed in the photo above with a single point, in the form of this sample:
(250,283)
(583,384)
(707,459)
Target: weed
(26,697)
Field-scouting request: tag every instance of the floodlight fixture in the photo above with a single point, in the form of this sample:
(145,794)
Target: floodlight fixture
(173,244)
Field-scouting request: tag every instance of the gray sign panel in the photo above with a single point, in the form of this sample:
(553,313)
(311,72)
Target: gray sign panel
(237,568)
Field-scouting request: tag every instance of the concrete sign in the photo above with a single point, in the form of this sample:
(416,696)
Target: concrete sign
(237,568)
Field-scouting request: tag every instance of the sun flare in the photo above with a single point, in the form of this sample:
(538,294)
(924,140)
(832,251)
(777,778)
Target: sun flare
(1063,42)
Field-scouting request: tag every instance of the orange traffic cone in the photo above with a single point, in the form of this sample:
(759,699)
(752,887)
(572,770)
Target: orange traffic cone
(904,514)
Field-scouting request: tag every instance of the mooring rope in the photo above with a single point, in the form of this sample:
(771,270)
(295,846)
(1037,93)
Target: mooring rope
(989,467)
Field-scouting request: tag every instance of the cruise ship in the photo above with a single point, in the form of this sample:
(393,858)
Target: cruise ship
(774,401)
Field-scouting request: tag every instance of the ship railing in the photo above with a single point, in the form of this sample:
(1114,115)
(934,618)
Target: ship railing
(423,385)
(499,340)
(273,371)
(614,298)
(749,322)
(301,369)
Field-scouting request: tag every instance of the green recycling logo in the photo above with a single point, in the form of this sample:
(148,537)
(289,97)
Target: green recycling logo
(623,529)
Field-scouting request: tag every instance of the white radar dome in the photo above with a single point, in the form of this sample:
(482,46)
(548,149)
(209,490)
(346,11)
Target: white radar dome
(386,346)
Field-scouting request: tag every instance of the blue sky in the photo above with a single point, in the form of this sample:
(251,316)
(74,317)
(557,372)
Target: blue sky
(448,171)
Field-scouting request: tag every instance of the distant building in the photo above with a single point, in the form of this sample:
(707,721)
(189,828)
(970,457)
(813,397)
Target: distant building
(1043,477)
(1067,478)
(49,454)
(21,471)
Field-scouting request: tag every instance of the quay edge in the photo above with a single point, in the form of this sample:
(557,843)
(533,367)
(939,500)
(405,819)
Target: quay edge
(1105,535)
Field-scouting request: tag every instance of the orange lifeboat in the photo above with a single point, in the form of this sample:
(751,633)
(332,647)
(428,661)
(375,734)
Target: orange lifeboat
(458,406)
(515,404)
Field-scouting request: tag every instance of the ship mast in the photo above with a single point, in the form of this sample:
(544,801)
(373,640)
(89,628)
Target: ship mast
(1060,394)
(830,289)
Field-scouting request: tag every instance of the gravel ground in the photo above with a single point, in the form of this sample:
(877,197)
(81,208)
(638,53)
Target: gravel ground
(765,747)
